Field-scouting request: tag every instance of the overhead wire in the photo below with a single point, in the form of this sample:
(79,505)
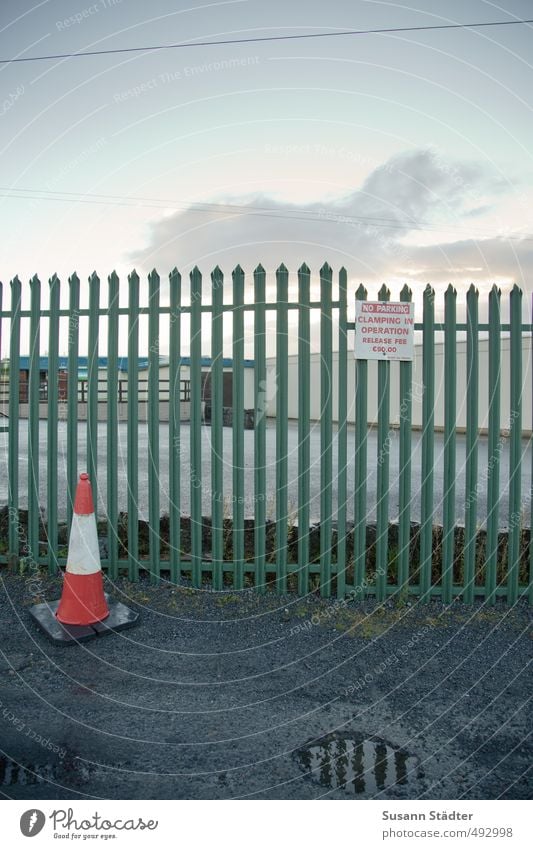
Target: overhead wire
(295,214)
(262,39)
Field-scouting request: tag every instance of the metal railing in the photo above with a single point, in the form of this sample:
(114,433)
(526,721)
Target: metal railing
(346,562)
(103,396)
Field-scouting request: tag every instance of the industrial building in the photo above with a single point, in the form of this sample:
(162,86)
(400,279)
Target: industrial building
(416,388)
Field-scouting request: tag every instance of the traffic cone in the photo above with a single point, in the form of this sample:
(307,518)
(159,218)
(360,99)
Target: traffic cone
(83,601)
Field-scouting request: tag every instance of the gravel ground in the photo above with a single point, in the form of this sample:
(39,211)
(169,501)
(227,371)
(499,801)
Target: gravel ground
(225,695)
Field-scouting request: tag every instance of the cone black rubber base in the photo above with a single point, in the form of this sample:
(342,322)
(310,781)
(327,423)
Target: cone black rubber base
(44,615)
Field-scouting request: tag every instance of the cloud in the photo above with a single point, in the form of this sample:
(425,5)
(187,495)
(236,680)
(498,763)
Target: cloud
(422,184)
(373,230)
(475,260)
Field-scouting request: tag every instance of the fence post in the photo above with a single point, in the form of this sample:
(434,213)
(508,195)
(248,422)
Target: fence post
(304,454)
(404,513)
(92,382)
(196,427)
(52,412)
(326,426)
(428,443)
(72,392)
(112,425)
(238,428)
(282,283)
(515,440)
(361,431)
(174,427)
(153,427)
(472,392)
(382,485)
(342,435)
(13,434)
(217,436)
(33,421)
(450,416)
(133,425)
(494,444)
(530,594)
(261,400)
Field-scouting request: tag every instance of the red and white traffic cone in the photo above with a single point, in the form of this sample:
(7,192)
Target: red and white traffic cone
(83,601)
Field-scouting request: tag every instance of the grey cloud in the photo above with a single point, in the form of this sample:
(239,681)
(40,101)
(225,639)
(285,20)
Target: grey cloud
(416,186)
(475,260)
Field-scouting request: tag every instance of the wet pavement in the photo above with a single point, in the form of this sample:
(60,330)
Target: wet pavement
(314,503)
(239,695)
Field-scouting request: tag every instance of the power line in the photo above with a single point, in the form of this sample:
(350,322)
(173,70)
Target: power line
(261,39)
(296,214)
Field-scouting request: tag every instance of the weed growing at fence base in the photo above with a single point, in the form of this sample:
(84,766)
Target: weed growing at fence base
(314,551)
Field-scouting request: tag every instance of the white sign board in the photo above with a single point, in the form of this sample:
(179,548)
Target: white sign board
(384,330)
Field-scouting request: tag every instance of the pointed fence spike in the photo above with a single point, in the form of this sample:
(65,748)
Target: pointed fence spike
(326,269)
(384,293)
(361,292)
(259,269)
(282,269)
(217,278)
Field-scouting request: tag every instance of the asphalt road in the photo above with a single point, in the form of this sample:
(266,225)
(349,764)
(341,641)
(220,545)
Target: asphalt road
(219,696)
(483,462)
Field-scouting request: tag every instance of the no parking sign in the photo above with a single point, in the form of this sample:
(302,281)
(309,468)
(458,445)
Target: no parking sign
(384,330)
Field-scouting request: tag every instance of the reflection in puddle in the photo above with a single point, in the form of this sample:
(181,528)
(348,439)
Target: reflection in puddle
(12,773)
(357,764)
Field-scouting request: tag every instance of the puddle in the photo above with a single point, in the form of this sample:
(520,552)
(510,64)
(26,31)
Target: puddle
(357,764)
(12,773)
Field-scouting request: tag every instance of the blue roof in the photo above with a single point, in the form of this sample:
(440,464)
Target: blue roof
(227,362)
(142,363)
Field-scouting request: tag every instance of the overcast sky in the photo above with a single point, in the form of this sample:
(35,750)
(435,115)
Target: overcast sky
(421,140)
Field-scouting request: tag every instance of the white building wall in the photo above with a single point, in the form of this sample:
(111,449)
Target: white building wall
(417,386)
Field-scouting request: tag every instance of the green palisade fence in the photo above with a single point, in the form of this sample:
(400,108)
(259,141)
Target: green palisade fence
(301,516)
